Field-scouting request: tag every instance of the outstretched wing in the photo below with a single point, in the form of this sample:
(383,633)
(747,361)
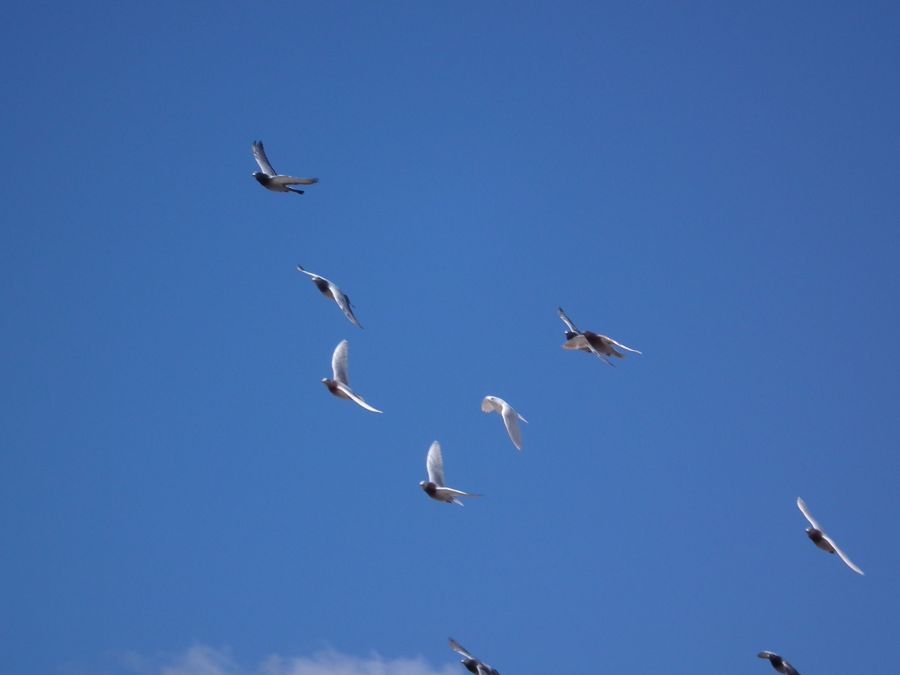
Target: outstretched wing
(789,669)
(435,464)
(291,180)
(356,398)
(567,321)
(339,362)
(259,154)
(511,420)
(802,506)
(300,268)
(621,346)
(343,301)
(843,556)
(458,648)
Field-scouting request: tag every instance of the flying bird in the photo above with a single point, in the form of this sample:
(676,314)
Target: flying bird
(472,664)
(329,290)
(822,540)
(510,417)
(434,487)
(269,179)
(587,341)
(339,384)
(778,663)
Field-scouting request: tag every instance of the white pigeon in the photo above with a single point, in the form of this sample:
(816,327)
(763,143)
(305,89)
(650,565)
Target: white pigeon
(331,291)
(339,384)
(778,663)
(510,417)
(473,665)
(588,341)
(822,540)
(434,487)
(269,179)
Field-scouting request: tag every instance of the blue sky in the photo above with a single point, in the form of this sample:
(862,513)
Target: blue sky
(714,185)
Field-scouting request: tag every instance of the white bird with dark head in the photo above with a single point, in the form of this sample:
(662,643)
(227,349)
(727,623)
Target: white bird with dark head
(339,383)
(822,540)
(332,292)
(434,487)
(270,179)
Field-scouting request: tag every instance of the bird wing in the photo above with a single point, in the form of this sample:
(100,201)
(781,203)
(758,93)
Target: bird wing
(458,648)
(802,506)
(567,321)
(511,420)
(259,154)
(339,362)
(843,556)
(435,464)
(789,669)
(578,341)
(621,346)
(489,404)
(343,301)
(456,493)
(291,180)
(300,268)
(356,398)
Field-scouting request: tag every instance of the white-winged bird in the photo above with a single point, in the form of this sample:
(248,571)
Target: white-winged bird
(269,179)
(339,384)
(434,487)
(473,665)
(332,292)
(509,415)
(822,540)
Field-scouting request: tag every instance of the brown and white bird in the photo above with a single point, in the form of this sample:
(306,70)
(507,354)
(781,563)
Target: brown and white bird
(510,417)
(822,540)
(587,341)
(332,292)
(778,663)
(339,383)
(473,665)
(269,179)
(434,487)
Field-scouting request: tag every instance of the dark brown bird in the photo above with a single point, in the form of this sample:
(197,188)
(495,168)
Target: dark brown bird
(588,341)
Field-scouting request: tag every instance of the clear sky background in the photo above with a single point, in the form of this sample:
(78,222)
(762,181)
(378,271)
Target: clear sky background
(718,186)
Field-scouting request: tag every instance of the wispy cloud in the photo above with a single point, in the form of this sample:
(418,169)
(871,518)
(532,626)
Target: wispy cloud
(203,660)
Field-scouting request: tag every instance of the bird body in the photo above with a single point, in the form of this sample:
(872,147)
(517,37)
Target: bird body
(822,540)
(473,665)
(270,179)
(510,417)
(332,292)
(778,663)
(339,383)
(434,487)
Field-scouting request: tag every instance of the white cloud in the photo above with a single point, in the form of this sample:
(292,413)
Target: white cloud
(202,660)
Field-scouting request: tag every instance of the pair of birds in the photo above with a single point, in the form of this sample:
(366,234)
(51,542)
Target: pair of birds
(435,487)
(826,543)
